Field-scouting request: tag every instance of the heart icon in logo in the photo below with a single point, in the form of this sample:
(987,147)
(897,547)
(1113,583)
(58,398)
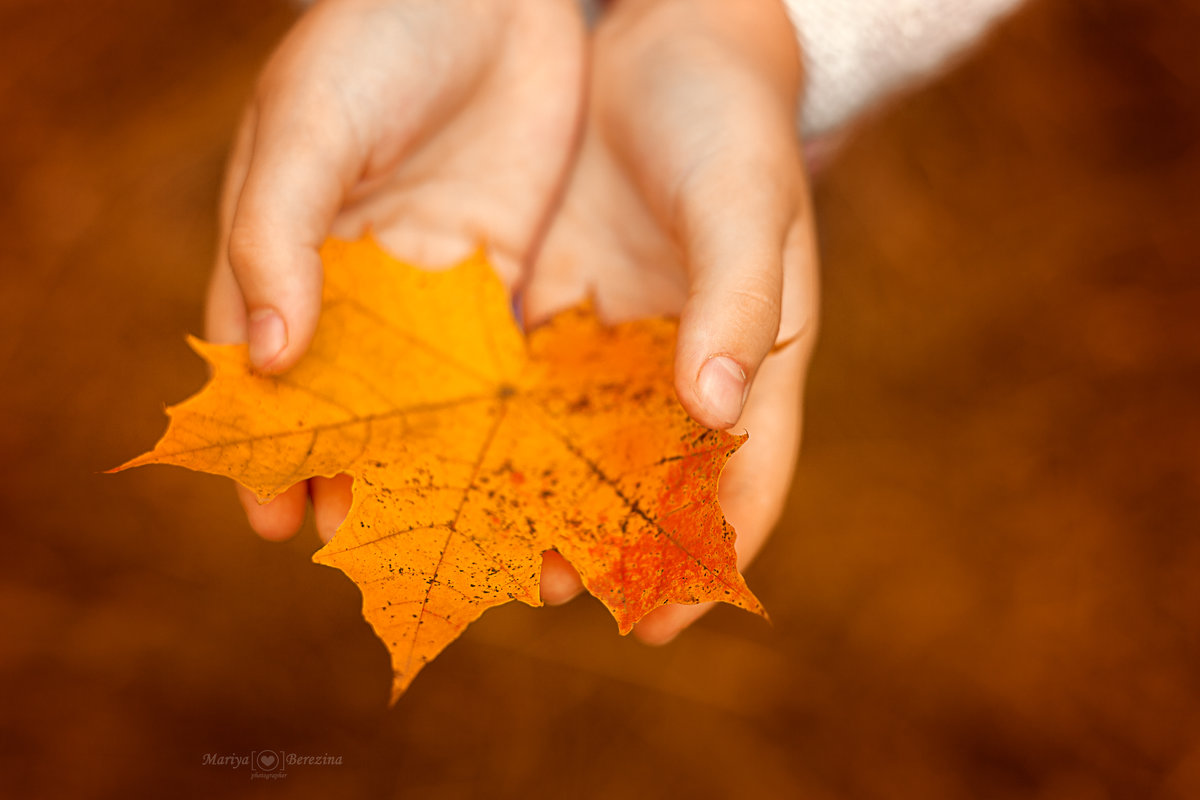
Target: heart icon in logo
(267,761)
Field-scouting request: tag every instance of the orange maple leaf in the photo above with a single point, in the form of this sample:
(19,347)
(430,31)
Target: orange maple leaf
(474,449)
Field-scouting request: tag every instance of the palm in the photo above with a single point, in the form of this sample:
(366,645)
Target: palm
(492,168)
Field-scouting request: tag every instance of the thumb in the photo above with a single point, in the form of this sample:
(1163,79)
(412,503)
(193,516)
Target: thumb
(733,218)
(300,167)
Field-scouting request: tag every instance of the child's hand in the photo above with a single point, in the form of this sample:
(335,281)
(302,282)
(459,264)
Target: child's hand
(436,123)
(690,197)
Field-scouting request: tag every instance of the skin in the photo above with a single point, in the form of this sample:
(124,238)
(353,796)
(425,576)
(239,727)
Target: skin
(679,189)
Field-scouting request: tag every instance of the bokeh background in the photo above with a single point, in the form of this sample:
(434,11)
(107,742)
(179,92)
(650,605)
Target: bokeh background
(987,582)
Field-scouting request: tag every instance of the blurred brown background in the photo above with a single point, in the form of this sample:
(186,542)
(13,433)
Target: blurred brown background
(987,584)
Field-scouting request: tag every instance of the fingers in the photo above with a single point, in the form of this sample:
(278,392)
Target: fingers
(279,519)
(254,295)
(331,503)
(304,143)
(282,517)
(709,138)
(734,213)
(664,623)
(560,581)
(266,286)
(302,164)
(756,482)
(281,193)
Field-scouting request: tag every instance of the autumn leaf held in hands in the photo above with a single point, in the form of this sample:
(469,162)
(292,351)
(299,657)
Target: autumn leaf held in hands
(474,449)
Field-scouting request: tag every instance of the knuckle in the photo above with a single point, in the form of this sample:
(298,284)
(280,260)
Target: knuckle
(246,247)
(757,304)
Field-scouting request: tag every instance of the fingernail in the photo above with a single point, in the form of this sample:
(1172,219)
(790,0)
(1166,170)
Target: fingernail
(722,387)
(268,337)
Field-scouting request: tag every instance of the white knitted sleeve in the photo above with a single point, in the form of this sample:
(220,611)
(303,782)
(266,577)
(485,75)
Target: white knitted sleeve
(858,51)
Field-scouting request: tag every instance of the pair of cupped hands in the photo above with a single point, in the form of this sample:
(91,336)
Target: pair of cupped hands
(651,162)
